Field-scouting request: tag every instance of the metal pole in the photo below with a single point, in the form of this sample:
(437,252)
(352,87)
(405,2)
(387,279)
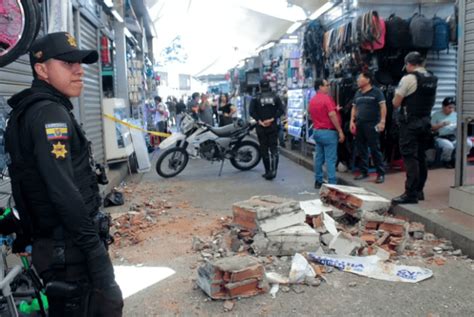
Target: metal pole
(460,134)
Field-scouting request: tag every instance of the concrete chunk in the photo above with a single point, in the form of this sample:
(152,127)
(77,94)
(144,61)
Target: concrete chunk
(287,241)
(344,244)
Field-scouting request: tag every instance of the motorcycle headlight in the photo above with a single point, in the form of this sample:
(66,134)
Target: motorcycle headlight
(186,124)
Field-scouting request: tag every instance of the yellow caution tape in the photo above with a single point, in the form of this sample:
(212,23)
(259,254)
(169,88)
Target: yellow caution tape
(131,126)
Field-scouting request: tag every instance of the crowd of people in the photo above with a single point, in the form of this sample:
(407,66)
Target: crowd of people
(214,110)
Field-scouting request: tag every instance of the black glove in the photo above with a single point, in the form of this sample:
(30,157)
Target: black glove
(109,299)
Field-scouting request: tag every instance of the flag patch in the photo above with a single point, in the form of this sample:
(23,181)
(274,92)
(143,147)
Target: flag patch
(56,131)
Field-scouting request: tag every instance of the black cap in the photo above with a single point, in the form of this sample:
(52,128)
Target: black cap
(414,58)
(62,46)
(449,101)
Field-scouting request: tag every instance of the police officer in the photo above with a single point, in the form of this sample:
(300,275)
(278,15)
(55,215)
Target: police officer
(416,96)
(55,184)
(266,108)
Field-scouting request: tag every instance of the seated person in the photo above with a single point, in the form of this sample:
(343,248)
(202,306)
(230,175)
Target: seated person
(444,123)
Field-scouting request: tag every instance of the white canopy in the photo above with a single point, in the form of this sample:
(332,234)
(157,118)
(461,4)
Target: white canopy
(216,34)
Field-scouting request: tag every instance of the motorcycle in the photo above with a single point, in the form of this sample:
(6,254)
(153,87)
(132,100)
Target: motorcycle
(200,140)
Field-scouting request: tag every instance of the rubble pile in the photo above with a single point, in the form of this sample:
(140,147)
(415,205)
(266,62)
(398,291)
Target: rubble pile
(127,228)
(297,243)
(274,226)
(232,277)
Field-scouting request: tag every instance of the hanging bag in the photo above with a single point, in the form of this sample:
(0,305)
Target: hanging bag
(441,34)
(422,32)
(398,33)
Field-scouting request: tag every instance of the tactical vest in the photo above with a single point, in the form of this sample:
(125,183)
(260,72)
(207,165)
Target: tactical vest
(25,175)
(421,102)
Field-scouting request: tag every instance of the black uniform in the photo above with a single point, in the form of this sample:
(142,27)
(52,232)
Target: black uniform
(266,106)
(55,188)
(415,132)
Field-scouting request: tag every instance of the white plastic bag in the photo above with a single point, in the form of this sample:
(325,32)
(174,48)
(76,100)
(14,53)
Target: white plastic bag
(300,269)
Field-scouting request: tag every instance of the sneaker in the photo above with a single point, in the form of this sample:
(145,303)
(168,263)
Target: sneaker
(361,177)
(380,179)
(317,185)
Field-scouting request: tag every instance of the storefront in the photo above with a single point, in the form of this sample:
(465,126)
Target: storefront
(461,196)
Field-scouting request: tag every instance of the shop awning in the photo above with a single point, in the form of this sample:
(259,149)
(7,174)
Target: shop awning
(216,34)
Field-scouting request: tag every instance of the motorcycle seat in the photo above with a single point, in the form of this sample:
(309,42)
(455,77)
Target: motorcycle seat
(224,131)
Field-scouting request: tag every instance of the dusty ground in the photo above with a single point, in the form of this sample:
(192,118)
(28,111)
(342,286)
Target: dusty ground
(197,202)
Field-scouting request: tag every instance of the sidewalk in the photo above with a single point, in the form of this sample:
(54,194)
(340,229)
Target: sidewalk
(434,212)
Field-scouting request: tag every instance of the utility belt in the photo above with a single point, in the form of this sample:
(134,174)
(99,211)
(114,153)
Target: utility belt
(65,253)
(405,117)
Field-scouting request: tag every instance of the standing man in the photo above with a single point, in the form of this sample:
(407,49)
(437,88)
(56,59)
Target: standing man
(205,110)
(368,120)
(193,106)
(416,95)
(161,115)
(55,184)
(266,108)
(180,110)
(327,132)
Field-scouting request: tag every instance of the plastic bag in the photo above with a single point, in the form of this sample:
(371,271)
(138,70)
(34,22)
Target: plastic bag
(300,269)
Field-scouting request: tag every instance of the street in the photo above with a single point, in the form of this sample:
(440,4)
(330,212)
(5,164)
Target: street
(197,202)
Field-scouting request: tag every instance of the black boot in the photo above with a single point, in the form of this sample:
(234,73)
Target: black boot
(273,167)
(405,199)
(266,164)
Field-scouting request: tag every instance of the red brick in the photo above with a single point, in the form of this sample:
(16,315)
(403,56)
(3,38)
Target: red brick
(372,225)
(396,230)
(244,218)
(368,237)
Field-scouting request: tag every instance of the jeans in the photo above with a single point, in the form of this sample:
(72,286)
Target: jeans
(366,138)
(326,152)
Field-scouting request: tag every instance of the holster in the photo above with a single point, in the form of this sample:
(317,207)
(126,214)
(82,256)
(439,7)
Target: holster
(102,222)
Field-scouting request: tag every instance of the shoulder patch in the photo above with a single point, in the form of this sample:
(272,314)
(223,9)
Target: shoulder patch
(59,150)
(56,131)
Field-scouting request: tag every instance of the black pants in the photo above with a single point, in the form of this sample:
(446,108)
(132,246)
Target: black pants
(368,138)
(268,139)
(83,300)
(414,140)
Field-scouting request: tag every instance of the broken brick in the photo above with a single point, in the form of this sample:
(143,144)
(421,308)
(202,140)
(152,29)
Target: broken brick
(371,225)
(232,277)
(368,238)
(396,230)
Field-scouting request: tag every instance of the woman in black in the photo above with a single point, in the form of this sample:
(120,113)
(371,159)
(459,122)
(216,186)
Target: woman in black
(226,110)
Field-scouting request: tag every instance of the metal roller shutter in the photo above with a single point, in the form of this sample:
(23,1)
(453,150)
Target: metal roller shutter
(468,62)
(444,66)
(91,101)
(14,78)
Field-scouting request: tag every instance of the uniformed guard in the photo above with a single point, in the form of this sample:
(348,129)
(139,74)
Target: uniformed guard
(266,108)
(55,184)
(415,95)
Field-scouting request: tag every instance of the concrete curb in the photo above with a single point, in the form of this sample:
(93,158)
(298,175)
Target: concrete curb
(461,237)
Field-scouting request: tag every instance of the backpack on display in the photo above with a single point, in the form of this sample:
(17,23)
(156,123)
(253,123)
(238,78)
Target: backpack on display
(398,33)
(422,32)
(441,34)
(373,31)
(313,44)
(453,28)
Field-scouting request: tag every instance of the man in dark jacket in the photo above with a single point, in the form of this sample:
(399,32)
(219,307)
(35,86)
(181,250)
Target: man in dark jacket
(266,108)
(55,184)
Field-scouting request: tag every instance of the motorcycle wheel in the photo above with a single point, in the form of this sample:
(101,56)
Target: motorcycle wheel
(19,25)
(247,156)
(172,162)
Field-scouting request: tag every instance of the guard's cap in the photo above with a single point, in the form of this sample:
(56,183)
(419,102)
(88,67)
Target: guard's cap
(62,46)
(414,58)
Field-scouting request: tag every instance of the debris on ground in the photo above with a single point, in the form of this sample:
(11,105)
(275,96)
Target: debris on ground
(232,277)
(274,226)
(353,200)
(299,243)
(371,266)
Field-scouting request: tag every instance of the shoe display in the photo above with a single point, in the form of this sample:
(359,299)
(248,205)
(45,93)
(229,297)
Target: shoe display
(404,199)
(361,177)
(380,179)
